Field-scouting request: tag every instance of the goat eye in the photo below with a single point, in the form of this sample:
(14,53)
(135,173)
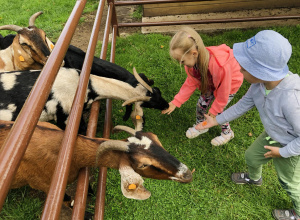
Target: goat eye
(143,166)
(24,44)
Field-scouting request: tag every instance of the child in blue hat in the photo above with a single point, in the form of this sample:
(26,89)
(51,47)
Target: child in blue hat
(275,92)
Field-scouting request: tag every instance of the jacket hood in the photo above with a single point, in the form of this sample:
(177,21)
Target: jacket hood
(292,82)
(222,53)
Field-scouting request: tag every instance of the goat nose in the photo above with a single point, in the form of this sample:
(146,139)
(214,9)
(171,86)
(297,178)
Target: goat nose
(188,176)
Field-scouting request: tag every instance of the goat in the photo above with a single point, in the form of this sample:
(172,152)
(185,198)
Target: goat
(15,87)
(29,49)
(74,58)
(141,155)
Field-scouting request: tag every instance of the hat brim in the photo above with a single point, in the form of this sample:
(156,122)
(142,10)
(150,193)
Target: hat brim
(254,68)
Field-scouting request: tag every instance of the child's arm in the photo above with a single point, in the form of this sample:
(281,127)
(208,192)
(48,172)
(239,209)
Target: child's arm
(235,111)
(185,92)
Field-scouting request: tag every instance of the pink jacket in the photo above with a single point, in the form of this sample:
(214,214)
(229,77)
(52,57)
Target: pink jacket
(226,77)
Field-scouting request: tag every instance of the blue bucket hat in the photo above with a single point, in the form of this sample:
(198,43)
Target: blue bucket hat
(265,56)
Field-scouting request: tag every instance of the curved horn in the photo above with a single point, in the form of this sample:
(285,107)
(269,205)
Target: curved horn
(124,128)
(11,27)
(141,81)
(33,17)
(136,99)
(111,145)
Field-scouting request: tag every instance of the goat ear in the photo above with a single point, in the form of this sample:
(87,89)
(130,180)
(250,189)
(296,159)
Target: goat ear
(132,184)
(127,113)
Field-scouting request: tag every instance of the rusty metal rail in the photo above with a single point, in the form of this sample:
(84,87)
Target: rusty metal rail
(19,137)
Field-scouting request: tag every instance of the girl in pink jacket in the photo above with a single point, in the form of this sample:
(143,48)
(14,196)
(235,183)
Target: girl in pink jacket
(214,71)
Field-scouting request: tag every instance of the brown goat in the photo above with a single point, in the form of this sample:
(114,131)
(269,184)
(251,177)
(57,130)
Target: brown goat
(141,155)
(30,48)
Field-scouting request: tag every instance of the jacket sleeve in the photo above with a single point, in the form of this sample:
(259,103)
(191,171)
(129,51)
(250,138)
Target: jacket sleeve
(222,85)
(241,107)
(185,92)
(292,115)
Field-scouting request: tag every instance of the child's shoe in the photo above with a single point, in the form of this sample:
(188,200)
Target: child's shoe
(192,132)
(243,178)
(285,214)
(222,139)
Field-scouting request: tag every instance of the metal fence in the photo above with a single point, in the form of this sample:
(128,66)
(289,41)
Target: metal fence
(19,137)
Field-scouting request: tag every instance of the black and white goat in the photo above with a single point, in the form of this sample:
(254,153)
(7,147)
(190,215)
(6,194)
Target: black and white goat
(74,58)
(15,87)
(29,49)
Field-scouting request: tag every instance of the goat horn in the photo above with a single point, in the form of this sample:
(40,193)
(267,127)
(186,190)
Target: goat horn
(111,145)
(124,128)
(11,27)
(33,17)
(136,99)
(141,81)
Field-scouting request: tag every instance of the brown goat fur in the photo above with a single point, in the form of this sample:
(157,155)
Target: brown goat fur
(39,161)
(29,50)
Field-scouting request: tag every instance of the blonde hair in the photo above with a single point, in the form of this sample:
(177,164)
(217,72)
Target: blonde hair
(184,40)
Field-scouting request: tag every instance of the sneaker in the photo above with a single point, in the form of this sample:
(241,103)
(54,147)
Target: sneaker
(243,178)
(193,132)
(285,214)
(222,139)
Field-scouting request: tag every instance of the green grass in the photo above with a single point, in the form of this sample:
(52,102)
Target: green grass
(211,195)
(55,14)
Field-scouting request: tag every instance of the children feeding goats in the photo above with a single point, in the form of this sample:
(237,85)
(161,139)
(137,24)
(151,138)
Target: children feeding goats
(275,92)
(212,70)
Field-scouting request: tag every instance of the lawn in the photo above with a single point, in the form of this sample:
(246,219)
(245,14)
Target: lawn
(211,195)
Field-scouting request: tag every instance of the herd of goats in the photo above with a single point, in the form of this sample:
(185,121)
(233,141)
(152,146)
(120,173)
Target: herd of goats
(22,56)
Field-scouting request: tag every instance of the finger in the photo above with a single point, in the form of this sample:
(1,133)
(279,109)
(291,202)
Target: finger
(165,111)
(268,147)
(170,112)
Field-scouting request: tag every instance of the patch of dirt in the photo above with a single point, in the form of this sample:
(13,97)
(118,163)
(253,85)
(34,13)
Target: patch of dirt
(83,31)
(124,15)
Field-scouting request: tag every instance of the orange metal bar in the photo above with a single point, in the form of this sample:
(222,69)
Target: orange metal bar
(60,177)
(19,137)
(119,3)
(207,21)
(83,178)
(84,174)
(100,199)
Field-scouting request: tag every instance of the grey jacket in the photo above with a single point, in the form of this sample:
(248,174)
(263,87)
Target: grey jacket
(279,112)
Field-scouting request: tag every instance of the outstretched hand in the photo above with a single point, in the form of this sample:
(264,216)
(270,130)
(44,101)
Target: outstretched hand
(209,122)
(274,152)
(170,109)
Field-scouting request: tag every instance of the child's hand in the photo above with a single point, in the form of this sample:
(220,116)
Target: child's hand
(170,109)
(274,152)
(209,122)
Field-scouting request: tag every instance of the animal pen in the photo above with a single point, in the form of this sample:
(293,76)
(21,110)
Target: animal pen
(16,143)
